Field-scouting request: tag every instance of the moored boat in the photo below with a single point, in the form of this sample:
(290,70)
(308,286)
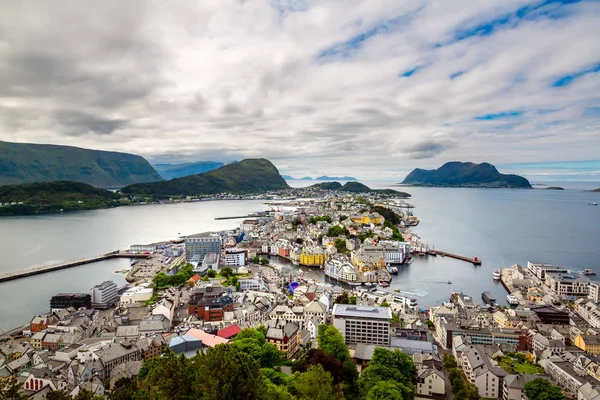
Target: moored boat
(496,274)
(588,272)
(384,283)
(512,300)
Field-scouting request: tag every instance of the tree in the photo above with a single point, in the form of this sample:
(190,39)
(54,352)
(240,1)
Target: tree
(449,361)
(331,342)
(385,304)
(225,372)
(469,392)
(314,384)
(87,395)
(456,379)
(264,261)
(167,377)
(125,389)
(58,395)
(211,273)
(389,390)
(319,357)
(252,342)
(352,300)
(256,259)
(541,389)
(340,245)
(388,365)
(11,389)
(429,324)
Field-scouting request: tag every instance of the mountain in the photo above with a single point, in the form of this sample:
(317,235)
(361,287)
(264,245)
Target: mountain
(595,190)
(247,176)
(357,187)
(465,174)
(306,178)
(170,171)
(291,178)
(288,178)
(43,197)
(28,162)
(335,178)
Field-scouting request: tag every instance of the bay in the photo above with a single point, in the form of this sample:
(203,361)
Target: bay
(500,226)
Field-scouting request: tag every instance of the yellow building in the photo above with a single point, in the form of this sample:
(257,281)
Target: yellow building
(368,219)
(588,343)
(535,294)
(505,320)
(312,258)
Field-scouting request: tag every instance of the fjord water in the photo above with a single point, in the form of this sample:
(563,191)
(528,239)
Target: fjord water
(500,226)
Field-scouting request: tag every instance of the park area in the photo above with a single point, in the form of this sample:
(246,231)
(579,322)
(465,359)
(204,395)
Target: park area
(517,363)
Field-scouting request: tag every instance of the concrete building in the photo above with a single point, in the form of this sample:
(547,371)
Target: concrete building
(66,300)
(340,267)
(198,246)
(588,343)
(136,295)
(104,295)
(564,375)
(540,269)
(481,372)
(594,291)
(513,386)
(143,248)
(430,378)
(567,285)
(284,335)
(363,324)
(235,257)
(117,353)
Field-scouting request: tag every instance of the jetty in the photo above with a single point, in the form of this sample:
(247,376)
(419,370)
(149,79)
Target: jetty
(9,276)
(241,217)
(473,260)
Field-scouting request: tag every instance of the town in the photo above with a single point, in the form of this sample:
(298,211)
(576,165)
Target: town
(340,252)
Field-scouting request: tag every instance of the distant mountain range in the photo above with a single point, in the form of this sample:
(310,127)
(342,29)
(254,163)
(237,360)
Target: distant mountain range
(289,178)
(28,162)
(246,176)
(335,178)
(46,197)
(465,174)
(357,187)
(170,171)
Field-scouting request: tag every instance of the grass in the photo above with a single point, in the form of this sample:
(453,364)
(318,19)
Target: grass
(517,364)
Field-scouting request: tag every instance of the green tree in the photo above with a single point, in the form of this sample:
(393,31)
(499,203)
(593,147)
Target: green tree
(11,389)
(226,272)
(314,384)
(389,390)
(352,300)
(252,342)
(330,340)
(256,259)
(449,361)
(385,304)
(340,245)
(337,230)
(264,261)
(388,365)
(468,392)
(430,324)
(58,395)
(167,377)
(125,389)
(225,372)
(211,273)
(541,389)
(87,395)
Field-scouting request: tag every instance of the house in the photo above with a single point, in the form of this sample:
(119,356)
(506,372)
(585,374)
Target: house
(430,378)
(186,345)
(564,374)
(481,372)
(193,280)
(42,322)
(117,353)
(154,324)
(541,343)
(588,391)
(229,332)
(513,386)
(208,340)
(588,343)
(284,335)
(152,346)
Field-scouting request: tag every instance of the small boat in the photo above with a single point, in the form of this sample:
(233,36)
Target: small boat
(397,290)
(384,283)
(588,272)
(368,284)
(591,204)
(496,274)
(449,282)
(392,270)
(512,300)
(354,283)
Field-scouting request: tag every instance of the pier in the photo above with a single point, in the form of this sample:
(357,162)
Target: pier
(241,217)
(473,260)
(9,276)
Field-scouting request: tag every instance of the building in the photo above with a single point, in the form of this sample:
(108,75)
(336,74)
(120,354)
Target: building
(75,300)
(540,269)
(143,248)
(248,225)
(284,335)
(564,375)
(313,256)
(42,322)
(480,335)
(369,258)
(198,246)
(136,295)
(210,261)
(504,320)
(551,315)
(209,303)
(588,343)
(117,353)
(363,324)
(430,378)
(104,295)
(513,386)
(481,372)
(594,291)
(567,285)
(235,257)
(154,324)
(339,267)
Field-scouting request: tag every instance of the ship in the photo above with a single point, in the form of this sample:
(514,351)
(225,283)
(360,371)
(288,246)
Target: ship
(488,298)
(392,270)
(591,204)
(384,283)
(512,300)
(496,274)
(588,272)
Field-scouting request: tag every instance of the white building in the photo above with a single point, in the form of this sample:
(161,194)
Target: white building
(136,295)
(198,246)
(142,248)
(594,291)
(363,324)
(340,267)
(104,294)
(235,257)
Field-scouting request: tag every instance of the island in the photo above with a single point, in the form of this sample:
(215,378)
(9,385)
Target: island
(48,197)
(465,174)
(357,187)
(595,190)
(253,175)
(554,188)
(335,178)
(29,162)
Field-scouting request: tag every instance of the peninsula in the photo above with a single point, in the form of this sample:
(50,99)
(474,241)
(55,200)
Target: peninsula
(171,171)
(28,162)
(335,178)
(465,174)
(357,187)
(253,175)
(48,197)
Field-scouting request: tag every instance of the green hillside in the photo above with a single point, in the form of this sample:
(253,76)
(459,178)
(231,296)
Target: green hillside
(357,187)
(43,197)
(171,171)
(327,185)
(247,176)
(459,174)
(28,162)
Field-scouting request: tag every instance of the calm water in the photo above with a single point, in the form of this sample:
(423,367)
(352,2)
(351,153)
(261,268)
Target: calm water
(500,226)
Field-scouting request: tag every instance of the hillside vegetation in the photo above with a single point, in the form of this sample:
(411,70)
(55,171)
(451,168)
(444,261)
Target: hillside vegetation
(357,187)
(247,176)
(171,171)
(459,174)
(28,162)
(44,197)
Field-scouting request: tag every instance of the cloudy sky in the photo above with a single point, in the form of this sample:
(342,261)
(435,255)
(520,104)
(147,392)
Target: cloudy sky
(368,88)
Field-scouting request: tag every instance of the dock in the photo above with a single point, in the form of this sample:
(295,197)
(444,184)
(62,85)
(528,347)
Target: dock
(241,217)
(473,260)
(9,276)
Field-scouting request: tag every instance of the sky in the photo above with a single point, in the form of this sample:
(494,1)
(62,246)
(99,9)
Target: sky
(370,88)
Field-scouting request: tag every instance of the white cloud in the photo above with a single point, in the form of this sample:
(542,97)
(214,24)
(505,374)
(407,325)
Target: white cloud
(315,86)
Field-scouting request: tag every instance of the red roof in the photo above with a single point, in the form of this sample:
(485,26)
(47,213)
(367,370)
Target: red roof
(230,331)
(195,278)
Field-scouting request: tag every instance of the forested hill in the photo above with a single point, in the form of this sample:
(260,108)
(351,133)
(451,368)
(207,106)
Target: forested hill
(247,176)
(28,162)
(465,174)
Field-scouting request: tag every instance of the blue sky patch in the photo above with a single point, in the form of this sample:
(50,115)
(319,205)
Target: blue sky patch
(491,117)
(568,79)
(411,72)
(456,74)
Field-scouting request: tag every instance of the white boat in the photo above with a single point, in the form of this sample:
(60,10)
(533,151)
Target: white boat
(368,284)
(512,300)
(496,274)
